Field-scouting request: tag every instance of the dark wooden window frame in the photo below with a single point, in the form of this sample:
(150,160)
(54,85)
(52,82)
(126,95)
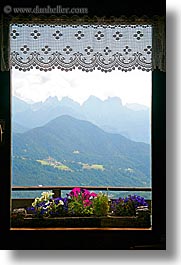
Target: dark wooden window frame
(115,239)
(158,171)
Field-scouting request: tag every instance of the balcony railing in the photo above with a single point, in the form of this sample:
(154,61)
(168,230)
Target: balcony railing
(24,202)
(57,189)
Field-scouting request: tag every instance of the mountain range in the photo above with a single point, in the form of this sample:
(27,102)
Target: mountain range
(130,120)
(71,151)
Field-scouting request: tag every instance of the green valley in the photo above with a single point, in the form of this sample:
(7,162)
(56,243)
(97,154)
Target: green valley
(71,152)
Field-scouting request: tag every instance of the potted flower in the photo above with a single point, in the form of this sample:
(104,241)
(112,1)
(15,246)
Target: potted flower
(47,206)
(80,202)
(100,204)
(127,206)
(80,208)
(43,210)
(131,211)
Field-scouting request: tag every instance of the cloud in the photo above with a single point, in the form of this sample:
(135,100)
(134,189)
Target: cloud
(131,87)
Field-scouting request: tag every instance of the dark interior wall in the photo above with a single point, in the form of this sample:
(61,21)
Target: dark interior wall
(100,8)
(103,240)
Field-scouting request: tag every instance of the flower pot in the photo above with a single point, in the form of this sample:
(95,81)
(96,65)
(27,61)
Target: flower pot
(73,222)
(58,222)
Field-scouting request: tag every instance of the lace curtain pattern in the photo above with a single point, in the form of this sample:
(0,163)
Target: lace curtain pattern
(48,42)
(87,47)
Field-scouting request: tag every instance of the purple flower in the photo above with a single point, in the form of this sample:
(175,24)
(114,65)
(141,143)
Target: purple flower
(127,205)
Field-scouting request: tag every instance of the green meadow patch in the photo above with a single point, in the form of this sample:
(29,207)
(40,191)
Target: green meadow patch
(93,166)
(56,164)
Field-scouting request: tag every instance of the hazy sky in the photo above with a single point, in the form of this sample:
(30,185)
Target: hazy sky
(131,87)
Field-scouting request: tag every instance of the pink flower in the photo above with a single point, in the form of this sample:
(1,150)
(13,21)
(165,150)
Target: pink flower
(86,194)
(75,192)
(87,203)
(93,194)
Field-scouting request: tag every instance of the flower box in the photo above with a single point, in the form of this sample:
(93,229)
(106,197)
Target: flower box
(83,209)
(140,221)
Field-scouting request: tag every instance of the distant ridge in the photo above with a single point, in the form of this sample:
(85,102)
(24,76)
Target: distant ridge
(130,120)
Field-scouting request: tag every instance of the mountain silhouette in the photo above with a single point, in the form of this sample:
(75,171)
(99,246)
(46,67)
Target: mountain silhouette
(77,142)
(110,115)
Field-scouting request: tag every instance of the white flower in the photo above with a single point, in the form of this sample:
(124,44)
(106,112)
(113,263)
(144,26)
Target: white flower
(36,201)
(61,202)
(47,195)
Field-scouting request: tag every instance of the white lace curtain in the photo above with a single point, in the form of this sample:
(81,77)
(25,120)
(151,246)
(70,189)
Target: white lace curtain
(84,46)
